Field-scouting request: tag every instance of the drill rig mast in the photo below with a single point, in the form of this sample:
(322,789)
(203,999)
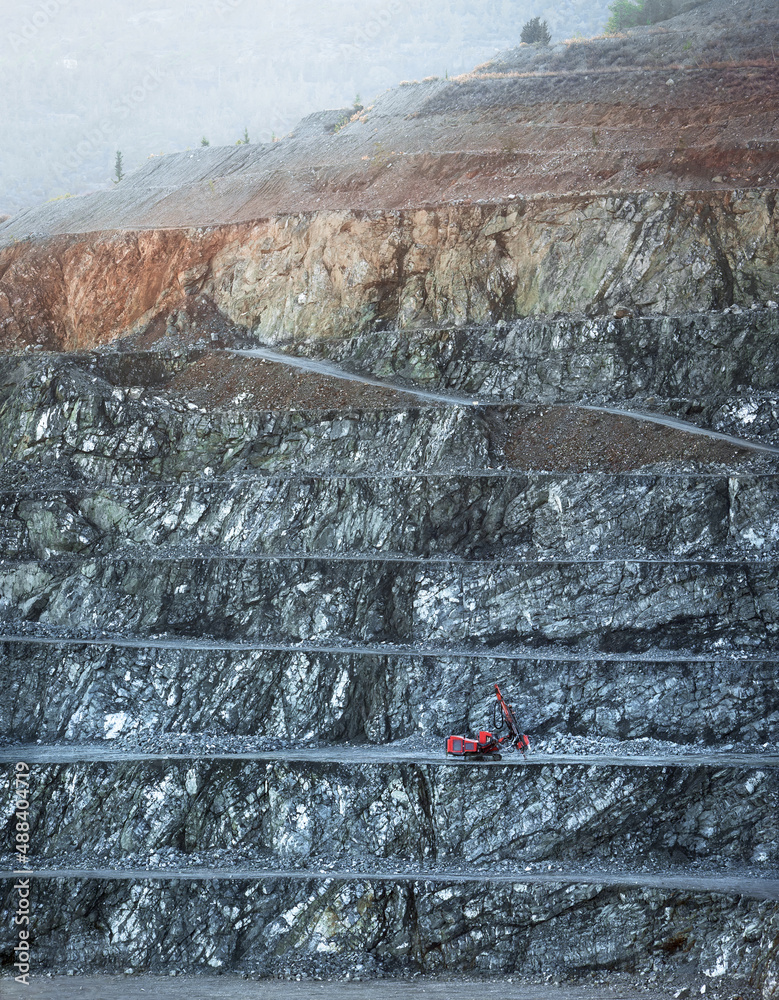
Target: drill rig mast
(488,745)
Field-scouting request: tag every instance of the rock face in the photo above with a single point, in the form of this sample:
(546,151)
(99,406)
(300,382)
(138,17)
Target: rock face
(245,595)
(401,812)
(385,929)
(338,273)
(620,173)
(189,574)
(82,691)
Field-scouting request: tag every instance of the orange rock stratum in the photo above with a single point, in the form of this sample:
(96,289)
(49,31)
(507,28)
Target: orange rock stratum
(634,172)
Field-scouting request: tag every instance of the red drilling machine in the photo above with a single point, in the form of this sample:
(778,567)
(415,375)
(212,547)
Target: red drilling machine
(488,745)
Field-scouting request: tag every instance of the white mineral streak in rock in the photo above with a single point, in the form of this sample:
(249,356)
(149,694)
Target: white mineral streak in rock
(113,724)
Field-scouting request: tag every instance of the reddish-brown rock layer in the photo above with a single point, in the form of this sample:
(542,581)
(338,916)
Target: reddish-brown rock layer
(338,273)
(622,173)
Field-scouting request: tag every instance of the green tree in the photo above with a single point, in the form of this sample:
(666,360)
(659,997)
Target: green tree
(536,31)
(204,142)
(628,14)
(624,15)
(118,172)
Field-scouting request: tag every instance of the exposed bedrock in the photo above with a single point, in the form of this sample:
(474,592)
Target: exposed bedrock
(219,557)
(63,420)
(613,606)
(278,926)
(79,692)
(569,814)
(716,369)
(704,355)
(333,273)
(67,420)
(461,517)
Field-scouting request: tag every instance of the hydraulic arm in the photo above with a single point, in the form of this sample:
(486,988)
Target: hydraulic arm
(489,744)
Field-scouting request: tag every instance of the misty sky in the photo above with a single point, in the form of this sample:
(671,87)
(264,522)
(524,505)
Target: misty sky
(82,79)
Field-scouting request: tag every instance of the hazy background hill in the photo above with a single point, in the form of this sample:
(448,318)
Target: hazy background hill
(82,79)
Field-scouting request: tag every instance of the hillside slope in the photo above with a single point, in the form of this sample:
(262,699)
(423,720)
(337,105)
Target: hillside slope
(635,173)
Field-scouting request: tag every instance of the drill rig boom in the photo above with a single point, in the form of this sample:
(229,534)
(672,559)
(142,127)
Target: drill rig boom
(488,744)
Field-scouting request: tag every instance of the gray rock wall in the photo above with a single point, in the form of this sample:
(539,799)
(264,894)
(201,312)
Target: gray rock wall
(278,927)
(624,607)
(82,692)
(717,368)
(466,818)
(470,517)
(202,580)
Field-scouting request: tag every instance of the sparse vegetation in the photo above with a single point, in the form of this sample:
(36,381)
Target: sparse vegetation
(246,141)
(204,142)
(648,49)
(381,156)
(35,162)
(536,32)
(628,14)
(118,171)
(624,15)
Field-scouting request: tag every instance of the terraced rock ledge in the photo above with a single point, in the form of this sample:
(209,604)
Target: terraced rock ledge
(274,652)
(294,472)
